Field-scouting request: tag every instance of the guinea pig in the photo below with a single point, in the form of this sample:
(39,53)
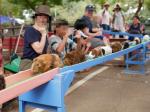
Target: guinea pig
(45,62)
(146,38)
(128,43)
(116,46)
(97,52)
(74,57)
(102,50)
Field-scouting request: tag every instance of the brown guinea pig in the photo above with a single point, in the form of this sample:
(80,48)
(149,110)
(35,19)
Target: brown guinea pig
(46,62)
(116,46)
(74,57)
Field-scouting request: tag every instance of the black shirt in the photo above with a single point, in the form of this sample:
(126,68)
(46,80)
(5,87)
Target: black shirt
(88,23)
(135,29)
(32,35)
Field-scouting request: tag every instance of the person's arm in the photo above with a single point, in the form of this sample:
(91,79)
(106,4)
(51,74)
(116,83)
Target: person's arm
(95,30)
(92,35)
(110,20)
(142,28)
(129,28)
(124,21)
(113,19)
(39,46)
(61,46)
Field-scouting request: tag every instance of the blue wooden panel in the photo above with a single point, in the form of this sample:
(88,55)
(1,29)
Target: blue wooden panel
(67,80)
(100,60)
(51,93)
(122,33)
(141,63)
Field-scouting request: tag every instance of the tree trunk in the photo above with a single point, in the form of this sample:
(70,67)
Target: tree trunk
(140,4)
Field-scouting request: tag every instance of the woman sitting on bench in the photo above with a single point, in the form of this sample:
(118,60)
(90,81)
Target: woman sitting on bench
(35,38)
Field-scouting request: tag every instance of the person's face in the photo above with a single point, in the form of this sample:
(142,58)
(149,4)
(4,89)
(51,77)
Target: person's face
(117,10)
(107,7)
(135,21)
(89,13)
(42,20)
(85,30)
(62,30)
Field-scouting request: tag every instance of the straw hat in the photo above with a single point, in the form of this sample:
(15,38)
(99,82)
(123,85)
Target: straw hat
(106,4)
(117,6)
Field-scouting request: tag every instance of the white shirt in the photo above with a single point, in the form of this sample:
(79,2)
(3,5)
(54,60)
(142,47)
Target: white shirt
(119,22)
(105,17)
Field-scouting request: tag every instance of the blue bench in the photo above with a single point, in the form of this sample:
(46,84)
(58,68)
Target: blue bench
(123,34)
(50,96)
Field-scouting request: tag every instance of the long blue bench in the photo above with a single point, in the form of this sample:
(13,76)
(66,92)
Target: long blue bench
(50,96)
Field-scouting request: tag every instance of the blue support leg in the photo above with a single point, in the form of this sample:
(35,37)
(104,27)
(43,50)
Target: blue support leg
(62,109)
(22,106)
(127,58)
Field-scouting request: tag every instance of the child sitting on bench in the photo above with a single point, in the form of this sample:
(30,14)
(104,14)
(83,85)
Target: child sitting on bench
(60,43)
(81,25)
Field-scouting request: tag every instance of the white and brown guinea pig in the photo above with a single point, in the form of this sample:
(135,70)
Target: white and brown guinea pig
(128,43)
(116,46)
(96,52)
(46,62)
(100,51)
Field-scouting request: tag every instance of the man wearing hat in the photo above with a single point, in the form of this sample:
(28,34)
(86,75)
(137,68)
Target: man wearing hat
(106,17)
(118,19)
(92,32)
(35,37)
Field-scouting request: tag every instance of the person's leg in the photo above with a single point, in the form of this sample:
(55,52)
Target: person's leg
(25,64)
(104,27)
(108,27)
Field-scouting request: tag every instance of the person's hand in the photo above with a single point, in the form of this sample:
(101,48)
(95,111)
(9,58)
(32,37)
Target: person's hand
(142,28)
(98,33)
(42,30)
(78,35)
(65,37)
(96,29)
(88,45)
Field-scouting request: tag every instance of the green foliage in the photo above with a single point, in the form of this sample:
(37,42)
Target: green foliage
(31,4)
(69,9)
(147,3)
(10,9)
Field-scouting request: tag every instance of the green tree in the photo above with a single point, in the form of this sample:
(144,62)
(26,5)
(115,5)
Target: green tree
(9,8)
(31,4)
(147,4)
